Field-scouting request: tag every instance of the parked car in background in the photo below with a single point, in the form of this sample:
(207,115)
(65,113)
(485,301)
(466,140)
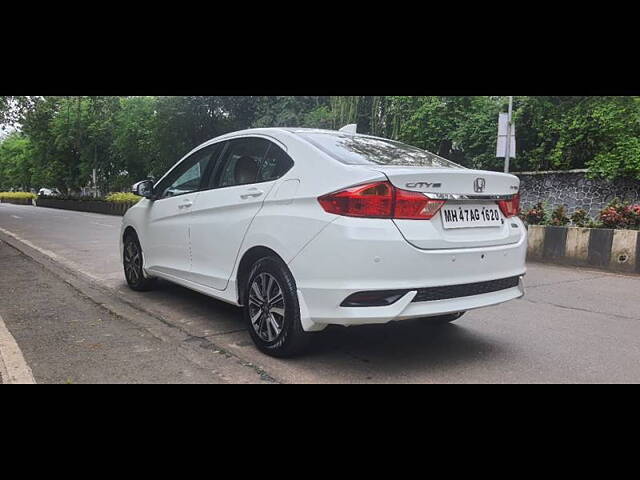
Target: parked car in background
(49,192)
(306,228)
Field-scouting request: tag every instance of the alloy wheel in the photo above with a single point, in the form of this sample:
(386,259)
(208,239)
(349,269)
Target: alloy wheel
(132,262)
(266,307)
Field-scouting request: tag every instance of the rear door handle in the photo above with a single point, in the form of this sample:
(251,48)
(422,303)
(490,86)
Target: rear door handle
(186,204)
(254,194)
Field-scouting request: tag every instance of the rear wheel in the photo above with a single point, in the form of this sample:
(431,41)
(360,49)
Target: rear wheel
(133,265)
(271,309)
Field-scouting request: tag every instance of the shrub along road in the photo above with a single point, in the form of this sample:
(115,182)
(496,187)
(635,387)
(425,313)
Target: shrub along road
(572,326)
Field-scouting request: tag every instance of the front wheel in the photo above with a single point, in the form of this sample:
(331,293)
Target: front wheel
(272,311)
(133,265)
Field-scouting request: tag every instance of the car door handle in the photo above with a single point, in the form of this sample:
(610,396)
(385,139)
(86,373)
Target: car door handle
(186,204)
(255,194)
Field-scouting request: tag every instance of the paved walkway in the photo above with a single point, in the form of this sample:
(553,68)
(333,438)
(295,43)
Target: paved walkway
(69,338)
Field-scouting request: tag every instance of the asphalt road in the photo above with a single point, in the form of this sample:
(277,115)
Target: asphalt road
(572,326)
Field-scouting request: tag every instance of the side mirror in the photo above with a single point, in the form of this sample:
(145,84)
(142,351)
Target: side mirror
(143,189)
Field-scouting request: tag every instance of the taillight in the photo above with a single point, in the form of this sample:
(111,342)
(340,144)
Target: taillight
(374,200)
(510,208)
(381,200)
(415,206)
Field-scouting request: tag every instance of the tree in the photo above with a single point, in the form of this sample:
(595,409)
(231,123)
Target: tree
(16,167)
(461,129)
(128,138)
(600,133)
(291,111)
(135,152)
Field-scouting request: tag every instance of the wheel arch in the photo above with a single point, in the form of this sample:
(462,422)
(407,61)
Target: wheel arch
(244,267)
(129,231)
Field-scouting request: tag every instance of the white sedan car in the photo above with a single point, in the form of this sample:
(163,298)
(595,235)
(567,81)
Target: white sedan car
(305,228)
(49,192)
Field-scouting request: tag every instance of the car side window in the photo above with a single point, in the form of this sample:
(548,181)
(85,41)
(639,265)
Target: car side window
(187,177)
(276,163)
(241,162)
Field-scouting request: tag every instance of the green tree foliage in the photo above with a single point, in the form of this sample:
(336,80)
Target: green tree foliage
(462,129)
(599,133)
(16,167)
(135,150)
(125,139)
(291,112)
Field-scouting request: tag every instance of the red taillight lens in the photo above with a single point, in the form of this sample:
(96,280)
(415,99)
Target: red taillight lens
(374,200)
(415,206)
(381,200)
(510,208)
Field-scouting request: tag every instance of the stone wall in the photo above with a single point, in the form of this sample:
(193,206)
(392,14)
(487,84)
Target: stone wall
(574,190)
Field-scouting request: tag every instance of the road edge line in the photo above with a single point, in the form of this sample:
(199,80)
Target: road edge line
(13,366)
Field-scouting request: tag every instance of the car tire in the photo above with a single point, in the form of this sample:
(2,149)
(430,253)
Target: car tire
(271,309)
(133,264)
(444,319)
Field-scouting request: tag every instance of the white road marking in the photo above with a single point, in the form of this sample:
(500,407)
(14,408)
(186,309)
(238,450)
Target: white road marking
(16,216)
(104,224)
(13,366)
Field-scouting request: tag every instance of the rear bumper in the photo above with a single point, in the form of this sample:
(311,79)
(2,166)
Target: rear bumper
(354,256)
(406,309)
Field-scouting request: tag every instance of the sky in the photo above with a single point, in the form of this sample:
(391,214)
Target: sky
(5,130)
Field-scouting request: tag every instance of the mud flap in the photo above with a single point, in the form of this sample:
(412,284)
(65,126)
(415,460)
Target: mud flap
(308,325)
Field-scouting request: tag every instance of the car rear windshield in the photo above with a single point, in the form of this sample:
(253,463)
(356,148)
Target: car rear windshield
(363,150)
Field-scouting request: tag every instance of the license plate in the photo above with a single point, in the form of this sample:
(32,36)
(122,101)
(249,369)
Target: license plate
(471,216)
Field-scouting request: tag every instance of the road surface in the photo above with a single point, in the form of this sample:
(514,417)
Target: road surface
(572,326)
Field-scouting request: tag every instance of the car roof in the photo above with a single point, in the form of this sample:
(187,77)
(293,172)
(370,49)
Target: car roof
(294,130)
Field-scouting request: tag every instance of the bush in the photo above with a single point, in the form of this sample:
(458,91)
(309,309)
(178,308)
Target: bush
(559,217)
(17,195)
(619,215)
(580,218)
(535,215)
(121,197)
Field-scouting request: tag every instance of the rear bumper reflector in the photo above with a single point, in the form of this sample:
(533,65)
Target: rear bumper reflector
(379,298)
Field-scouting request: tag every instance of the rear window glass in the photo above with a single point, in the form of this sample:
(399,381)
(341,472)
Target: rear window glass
(362,150)
(276,164)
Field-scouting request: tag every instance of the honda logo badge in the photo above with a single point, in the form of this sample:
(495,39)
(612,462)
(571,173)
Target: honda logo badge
(479,185)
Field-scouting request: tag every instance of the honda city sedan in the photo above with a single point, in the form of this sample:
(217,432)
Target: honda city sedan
(306,228)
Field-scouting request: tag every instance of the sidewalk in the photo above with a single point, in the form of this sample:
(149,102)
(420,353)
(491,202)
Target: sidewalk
(67,338)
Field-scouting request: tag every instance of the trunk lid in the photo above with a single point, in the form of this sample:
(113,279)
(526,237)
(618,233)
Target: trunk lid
(464,190)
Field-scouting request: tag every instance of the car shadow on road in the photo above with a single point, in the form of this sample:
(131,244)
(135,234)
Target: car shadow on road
(395,351)
(399,349)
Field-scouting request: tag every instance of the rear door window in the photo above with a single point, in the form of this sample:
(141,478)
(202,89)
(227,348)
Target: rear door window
(250,160)
(241,162)
(276,163)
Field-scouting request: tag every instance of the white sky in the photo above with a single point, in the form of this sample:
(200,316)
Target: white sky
(6,131)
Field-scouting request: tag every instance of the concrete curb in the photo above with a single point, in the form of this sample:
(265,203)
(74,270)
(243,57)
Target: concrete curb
(13,366)
(613,250)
